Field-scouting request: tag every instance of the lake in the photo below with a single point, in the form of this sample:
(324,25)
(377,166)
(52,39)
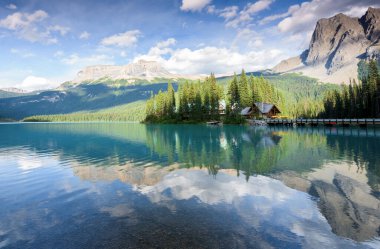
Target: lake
(120,185)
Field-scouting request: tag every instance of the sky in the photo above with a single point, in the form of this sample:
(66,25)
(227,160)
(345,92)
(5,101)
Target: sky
(44,43)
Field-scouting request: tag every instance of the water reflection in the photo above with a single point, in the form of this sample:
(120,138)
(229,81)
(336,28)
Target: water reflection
(169,185)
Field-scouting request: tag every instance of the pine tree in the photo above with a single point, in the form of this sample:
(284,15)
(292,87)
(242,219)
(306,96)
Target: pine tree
(345,102)
(214,96)
(253,89)
(372,87)
(351,101)
(149,109)
(198,105)
(244,93)
(171,99)
(233,94)
(184,103)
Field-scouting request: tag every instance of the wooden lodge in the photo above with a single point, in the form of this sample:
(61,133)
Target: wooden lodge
(260,110)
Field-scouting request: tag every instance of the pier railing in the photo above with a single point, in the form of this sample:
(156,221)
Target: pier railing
(326,122)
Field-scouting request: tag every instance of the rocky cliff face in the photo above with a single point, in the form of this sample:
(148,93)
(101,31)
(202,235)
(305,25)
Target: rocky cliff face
(337,45)
(146,70)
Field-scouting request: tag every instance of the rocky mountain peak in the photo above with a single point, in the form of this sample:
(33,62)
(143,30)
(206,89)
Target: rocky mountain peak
(336,46)
(371,24)
(331,33)
(141,69)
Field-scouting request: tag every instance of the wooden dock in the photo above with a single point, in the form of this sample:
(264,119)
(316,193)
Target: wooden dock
(214,123)
(325,122)
(353,131)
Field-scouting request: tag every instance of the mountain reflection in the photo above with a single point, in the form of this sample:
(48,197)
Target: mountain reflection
(260,202)
(339,168)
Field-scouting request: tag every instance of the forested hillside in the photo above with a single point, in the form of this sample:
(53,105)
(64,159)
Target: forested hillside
(84,98)
(303,95)
(357,100)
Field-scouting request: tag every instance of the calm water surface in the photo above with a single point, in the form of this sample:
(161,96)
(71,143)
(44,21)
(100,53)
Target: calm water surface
(104,185)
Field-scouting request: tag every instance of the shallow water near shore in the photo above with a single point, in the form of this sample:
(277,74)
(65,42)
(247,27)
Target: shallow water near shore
(125,185)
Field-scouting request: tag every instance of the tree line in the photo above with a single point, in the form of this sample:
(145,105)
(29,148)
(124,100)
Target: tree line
(357,100)
(207,100)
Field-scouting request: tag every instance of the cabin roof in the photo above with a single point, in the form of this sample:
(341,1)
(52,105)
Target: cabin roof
(246,111)
(264,108)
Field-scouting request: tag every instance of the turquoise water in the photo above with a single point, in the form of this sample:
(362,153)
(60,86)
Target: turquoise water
(115,185)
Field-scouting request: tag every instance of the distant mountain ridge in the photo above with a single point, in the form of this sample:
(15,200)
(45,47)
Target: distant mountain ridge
(13,90)
(337,45)
(142,69)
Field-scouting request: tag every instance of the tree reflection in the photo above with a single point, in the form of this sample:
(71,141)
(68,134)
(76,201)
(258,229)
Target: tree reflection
(248,150)
(251,151)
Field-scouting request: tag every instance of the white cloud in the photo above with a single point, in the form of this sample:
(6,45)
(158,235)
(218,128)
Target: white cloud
(272,18)
(20,20)
(27,165)
(258,6)
(194,5)
(83,61)
(59,53)
(246,36)
(31,27)
(304,18)
(35,83)
(160,49)
(224,188)
(257,43)
(245,16)
(212,59)
(126,39)
(123,54)
(357,11)
(211,9)
(169,42)
(60,29)
(22,53)
(11,6)
(229,12)
(84,35)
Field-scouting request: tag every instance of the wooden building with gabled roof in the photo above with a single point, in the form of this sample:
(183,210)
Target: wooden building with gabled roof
(261,109)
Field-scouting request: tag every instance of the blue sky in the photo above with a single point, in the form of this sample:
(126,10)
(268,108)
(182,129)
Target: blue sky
(46,42)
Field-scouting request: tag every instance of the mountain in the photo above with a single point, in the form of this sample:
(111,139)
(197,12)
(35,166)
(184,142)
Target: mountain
(12,92)
(121,100)
(88,97)
(337,45)
(97,91)
(344,199)
(142,70)
(105,91)
(119,93)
